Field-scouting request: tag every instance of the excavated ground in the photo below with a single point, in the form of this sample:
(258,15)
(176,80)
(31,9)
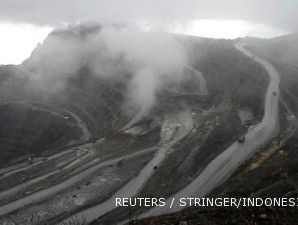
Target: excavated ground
(79,147)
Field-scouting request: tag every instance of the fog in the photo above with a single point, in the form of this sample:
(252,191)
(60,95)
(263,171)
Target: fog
(152,59)
(215,19)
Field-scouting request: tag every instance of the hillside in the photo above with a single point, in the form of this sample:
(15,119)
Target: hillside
(90,139)
(271,172)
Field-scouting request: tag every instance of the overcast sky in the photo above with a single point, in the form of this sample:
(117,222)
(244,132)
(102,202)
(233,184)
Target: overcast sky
(279,13)
(210,18)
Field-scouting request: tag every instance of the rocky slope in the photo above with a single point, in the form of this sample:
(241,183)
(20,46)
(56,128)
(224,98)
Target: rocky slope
(83,149)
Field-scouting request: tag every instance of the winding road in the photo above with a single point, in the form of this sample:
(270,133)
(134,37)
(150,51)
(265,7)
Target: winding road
(168,138)
(202,82)
(213,175)
(224,164)
(43,194)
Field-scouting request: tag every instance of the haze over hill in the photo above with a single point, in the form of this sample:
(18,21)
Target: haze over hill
(123,112)
(24,24)
(143,101)
(283,48)
(270,173)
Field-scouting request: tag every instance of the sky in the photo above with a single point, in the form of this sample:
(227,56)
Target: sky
(25,23)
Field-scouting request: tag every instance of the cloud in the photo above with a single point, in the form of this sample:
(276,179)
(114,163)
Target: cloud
(255,18)
(17,41)
(228,29)
(153,59)
(276,13)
